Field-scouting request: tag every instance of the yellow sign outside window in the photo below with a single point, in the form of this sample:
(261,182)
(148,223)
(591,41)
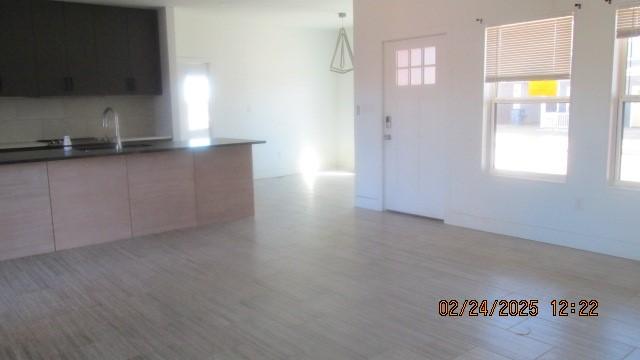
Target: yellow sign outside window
(543,88)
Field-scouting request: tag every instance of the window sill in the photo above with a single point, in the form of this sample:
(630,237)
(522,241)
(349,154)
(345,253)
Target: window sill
(520,175)
(625,185)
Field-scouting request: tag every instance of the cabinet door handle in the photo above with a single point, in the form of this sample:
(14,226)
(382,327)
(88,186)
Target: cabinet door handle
(131,84)
(1,87)
(71,86)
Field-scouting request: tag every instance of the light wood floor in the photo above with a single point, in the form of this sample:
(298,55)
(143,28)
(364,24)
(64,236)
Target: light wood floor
(313,278)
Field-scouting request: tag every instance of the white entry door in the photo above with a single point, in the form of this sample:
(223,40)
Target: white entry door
(414,126)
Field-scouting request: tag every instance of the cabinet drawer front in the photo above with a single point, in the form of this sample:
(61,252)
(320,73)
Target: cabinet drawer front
(90,201)
(25,214)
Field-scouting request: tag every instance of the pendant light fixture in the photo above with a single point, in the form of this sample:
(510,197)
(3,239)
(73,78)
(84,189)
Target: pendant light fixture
(342,61)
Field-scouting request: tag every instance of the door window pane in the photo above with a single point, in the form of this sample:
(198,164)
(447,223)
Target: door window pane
(416,57)
(430,56)
(430,75)
(403,77)
(402,58)
(416,76)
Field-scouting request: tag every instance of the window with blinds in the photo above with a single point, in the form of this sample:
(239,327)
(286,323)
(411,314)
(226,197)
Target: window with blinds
(627,159)
(628,23)
(536,50)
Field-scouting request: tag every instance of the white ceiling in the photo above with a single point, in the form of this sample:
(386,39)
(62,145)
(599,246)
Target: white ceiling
(314,13)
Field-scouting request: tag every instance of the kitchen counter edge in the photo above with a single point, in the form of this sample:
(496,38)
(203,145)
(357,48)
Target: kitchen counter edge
(45,155)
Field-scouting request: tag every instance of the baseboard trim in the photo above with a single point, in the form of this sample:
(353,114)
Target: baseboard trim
(368,203)
(569,239)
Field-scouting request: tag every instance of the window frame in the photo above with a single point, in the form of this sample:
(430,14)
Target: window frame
(622,64)
(491,88)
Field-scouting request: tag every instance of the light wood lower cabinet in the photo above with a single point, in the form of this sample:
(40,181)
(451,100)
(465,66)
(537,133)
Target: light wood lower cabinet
(90,201)
(71,203)
(161,190)
(224,184)
(25,211)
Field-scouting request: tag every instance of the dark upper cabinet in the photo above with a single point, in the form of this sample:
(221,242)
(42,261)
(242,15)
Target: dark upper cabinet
(53,48)
(144,52)
(128,50)
(81,50)
(113,48)
(51,66)
(66,57)
(17,59)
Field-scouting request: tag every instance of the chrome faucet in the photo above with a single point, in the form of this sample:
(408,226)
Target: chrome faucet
(116,121)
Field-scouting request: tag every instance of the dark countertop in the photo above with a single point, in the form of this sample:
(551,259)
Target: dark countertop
(26,156)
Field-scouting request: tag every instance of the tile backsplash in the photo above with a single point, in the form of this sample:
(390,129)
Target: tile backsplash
(23,119)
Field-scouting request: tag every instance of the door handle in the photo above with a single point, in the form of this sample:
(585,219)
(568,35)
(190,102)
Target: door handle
(387,137)
(388,123)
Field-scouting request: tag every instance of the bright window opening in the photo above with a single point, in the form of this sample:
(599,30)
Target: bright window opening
(531,135)
(196,96)
(629,117)
(627,160)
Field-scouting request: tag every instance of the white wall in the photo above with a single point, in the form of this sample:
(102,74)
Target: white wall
(586,212)
(165,109)
(345,130)
(270,82)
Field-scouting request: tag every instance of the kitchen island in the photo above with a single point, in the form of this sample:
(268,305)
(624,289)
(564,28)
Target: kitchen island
(55,199)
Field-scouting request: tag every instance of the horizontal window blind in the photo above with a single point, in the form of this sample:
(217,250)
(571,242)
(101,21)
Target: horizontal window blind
(536,50)
(628,23)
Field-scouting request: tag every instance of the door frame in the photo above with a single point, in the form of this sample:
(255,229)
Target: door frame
(386,43)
